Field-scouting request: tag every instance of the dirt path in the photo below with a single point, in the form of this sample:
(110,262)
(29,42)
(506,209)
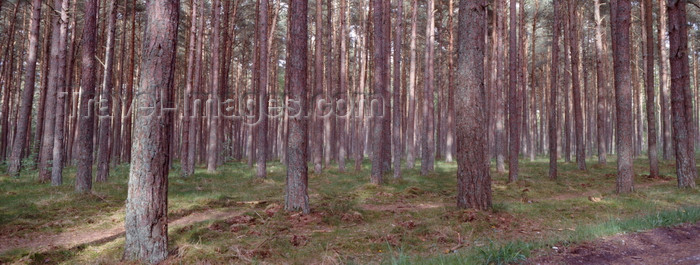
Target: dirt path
(39,242)
(668,245)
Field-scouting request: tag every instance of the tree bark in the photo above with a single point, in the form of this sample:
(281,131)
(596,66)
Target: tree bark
(623,95)
(214,100)
(473,177)
(396,112)
(681,98)
(554,88)
(649,83)
(25,114)
(297,198)
(576,85)
(317,122)
(105,103)
(428,139)
(261,127)
(410,127)
(147,205)
(378,100)
(513,96)
(601,78)
(47,141)
(83,177)
(664,99)
(185,161)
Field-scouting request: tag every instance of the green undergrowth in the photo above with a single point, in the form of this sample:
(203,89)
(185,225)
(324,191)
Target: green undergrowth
(405,221)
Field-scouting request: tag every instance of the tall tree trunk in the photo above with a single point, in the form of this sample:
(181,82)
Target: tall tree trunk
(513,96)
(554,88)
(473,177)
(624,137)
(317,122)
(342,84)
(500,138)
(649,83)
(601,78)
(261,127)
(59,130)
(214,106)
(296,197)
(147,205)
(449,133)
(533,86)
(380,68)
(105,103)
(185,161)
(428,139)
(410,127)
(83,177)
(396,112)
(664,99)
(25,115)
(127,110)
(681,98)
(576,85)
(50,109)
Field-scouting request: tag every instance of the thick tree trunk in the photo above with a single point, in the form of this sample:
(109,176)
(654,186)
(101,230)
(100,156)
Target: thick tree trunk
(554,88)
(297,197)
(105,103)
(83,177)
(396,111)
(428,139)
(576,85)
(25,115)
(649,83)
(623,95)
(410,127)
(473,177)
(513,96)
(681,98)
(379,76)
(147,205)
(261,127)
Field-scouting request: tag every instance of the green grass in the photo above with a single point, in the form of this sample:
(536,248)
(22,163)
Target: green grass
(353,221)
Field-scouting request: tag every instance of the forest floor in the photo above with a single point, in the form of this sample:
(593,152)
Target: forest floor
(231,217)
(676,245)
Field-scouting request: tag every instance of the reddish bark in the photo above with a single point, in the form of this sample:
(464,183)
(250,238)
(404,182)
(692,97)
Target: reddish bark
(105,103)
(554,88)
(681,96)
(649,83)
(513,96)
(474,180)
(428,138)
(576,85)
(297,197)
(28,92)
(396,112)
(620,19)
(147,206)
